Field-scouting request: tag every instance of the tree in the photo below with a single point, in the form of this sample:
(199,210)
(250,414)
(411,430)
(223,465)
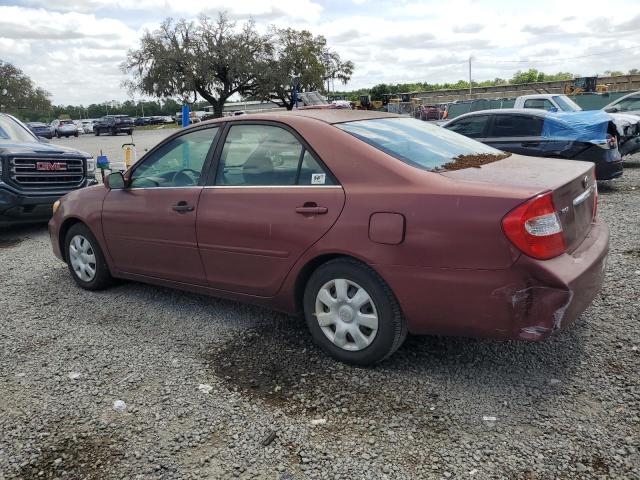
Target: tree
(335,68)
(210,58)
(19,95)
(300,55)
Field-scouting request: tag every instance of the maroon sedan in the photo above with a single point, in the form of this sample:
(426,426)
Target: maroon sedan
(372,225)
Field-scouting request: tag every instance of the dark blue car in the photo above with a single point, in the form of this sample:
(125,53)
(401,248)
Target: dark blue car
(588,136)
(40,129)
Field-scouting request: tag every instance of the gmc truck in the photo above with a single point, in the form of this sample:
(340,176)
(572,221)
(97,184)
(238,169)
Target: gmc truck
(34,174)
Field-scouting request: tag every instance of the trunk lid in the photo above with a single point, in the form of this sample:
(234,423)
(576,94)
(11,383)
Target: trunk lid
(571,182)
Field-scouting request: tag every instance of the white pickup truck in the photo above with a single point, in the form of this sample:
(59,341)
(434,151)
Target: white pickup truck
(627,125)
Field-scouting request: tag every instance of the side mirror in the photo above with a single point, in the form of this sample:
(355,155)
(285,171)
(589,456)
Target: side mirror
(115,181)
(611,110)
(43,140)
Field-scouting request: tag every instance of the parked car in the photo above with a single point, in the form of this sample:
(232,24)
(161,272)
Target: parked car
(113,125)
(87,125)
(627,125)
(587,136)
(40,129)
(33,175)
(142,121)
(64,128)
(399,238)
(628,104)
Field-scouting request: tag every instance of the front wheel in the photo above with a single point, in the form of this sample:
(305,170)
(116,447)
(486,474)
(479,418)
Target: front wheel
(85,259)
(352,313)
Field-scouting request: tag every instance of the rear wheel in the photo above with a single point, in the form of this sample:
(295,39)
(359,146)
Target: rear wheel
(96,131)
(352,313)
(85,259)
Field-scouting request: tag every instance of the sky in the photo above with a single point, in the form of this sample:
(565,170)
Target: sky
(74,48)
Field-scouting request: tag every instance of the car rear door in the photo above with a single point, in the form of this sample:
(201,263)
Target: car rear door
(270,198)
(517,133)
(472,126)
(150,226)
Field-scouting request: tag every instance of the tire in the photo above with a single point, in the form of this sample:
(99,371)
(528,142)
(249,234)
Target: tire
(96,131)
(371,341)
(85,242)
(57,135)
(75,134)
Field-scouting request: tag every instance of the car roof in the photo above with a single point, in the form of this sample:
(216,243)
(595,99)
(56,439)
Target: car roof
(528,111)
(539,95)
(331,116)
(632,94)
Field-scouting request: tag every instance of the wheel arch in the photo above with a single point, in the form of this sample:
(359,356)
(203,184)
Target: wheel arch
(313,264)
(62,233)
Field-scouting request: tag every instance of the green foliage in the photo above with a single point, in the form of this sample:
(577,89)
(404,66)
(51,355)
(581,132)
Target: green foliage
(18,94)
(210,58)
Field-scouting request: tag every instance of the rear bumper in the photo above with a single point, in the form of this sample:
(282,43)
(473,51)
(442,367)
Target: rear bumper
(528,301)
(17,207)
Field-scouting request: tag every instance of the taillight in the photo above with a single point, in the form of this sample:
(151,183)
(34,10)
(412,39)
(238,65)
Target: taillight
(535,229)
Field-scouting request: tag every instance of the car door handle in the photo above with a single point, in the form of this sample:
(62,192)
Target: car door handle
(183,207)
(311,209)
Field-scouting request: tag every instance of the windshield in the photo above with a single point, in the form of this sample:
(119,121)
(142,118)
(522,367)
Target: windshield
(419,143)
(11,131)
(566,104)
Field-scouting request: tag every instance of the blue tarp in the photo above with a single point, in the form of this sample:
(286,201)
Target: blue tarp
(586,126)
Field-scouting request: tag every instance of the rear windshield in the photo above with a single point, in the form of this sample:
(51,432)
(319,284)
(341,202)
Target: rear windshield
(419,143)
(566,104)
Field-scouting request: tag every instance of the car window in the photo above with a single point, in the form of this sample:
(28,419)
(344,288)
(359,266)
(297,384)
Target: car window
(312,173)
(539,103)
(516,126)
(177,163)
(415,142)
(473,127)
(566,104)
(631,103)
(11,131)
(259,155)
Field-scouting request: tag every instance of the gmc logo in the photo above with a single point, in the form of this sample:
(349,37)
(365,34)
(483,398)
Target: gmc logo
(51,166)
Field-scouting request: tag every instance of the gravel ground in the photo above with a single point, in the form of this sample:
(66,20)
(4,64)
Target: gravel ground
(215,389)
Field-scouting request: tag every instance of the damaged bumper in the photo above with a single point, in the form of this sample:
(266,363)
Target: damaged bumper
(528,301)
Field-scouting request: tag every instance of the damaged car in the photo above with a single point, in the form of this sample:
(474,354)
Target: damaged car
(588,136)
(368,225)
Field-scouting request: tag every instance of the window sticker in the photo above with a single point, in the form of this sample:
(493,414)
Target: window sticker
(318,178)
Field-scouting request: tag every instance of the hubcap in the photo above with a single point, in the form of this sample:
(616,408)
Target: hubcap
(82,258)
(346,314)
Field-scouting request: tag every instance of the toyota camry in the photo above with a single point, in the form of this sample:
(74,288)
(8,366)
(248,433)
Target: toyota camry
(368,225)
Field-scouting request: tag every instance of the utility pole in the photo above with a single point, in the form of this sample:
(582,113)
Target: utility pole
(470,74)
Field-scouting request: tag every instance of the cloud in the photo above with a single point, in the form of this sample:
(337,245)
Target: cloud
(468,28)
(258,9)
(73,48)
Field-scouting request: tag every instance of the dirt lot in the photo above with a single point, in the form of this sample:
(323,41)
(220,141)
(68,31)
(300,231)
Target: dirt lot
(215,389)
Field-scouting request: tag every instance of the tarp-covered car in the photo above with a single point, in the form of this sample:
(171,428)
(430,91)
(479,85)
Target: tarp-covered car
(589,136)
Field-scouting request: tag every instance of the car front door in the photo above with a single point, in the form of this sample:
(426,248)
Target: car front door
(150,226)
(271,199)
(517,133)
